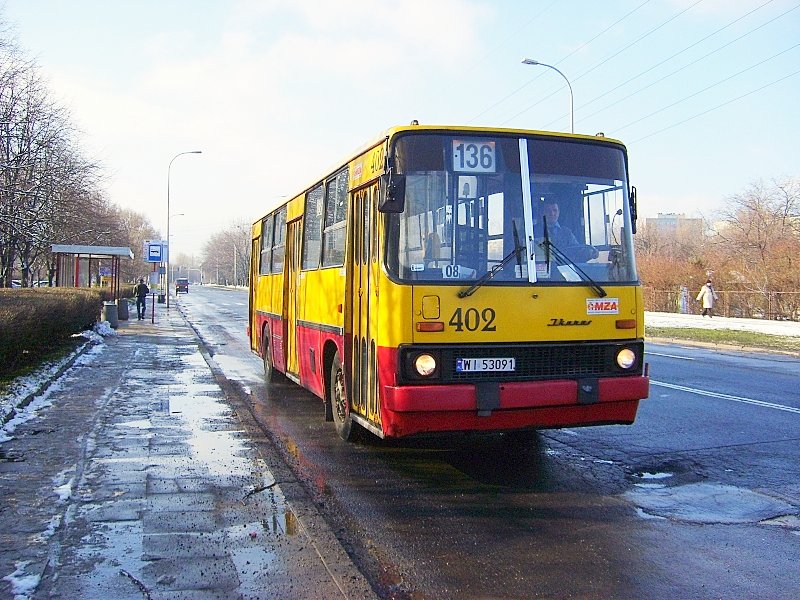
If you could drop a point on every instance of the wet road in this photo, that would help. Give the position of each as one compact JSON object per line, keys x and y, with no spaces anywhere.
{"x":700,"y":498}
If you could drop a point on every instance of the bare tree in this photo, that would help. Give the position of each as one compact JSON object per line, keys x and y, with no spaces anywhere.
{"x":49,"y":193}
{"x":226,"y":256}
{"x":760,"y":238}
{"x":134,"y":229}
{"x":761,"y":230}
{"x":670,"y":259}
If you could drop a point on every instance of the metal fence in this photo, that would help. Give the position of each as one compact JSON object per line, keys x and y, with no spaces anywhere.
{"x":782,"y":306}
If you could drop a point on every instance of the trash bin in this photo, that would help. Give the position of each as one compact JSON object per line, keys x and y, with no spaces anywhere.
{"x":122,"y":309}
{"x":110,"y":314}
{"x":162,"y":298}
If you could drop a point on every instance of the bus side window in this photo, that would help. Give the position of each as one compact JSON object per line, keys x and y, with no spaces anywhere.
{"x":265,"y":261}
{"x":279,"y":241}
{"x":334,"y":231}
{"x":312,"y":231}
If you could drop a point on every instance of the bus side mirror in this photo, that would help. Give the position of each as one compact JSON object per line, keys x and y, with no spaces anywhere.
{"x":633,"y":209}
{"x":393,"y":193}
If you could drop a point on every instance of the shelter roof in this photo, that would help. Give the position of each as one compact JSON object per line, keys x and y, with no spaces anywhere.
{"x":93,"y":251}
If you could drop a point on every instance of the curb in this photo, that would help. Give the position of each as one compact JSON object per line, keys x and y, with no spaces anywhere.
{"x":350,"y":581}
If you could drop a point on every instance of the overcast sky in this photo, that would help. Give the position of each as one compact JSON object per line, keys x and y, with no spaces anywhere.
{"x":275,"y":92}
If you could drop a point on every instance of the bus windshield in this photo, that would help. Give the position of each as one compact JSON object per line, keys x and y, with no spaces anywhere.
{"x":503,"y":210}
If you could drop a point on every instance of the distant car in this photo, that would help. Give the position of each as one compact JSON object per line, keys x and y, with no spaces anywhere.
{"x":181,"y":285}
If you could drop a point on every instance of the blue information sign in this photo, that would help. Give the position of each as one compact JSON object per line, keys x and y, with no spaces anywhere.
{"x":155,"y":251}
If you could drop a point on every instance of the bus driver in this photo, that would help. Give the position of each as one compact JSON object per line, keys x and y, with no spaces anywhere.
{"x":562,"y":237}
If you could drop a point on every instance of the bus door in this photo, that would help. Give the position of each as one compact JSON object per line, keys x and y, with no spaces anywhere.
{"x":362,"y":314}
{"x":255,"y":262}
{"x":291,"y":298}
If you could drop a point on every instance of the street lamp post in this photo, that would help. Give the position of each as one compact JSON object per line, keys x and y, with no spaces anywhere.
{"x":169,"y":249}
{"x":169,"y":245}
{"x":530,"y":61}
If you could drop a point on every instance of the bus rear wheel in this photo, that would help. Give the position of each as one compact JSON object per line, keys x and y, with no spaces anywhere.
{"x":340,"y":406}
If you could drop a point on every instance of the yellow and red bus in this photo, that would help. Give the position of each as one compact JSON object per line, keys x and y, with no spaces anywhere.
{"x":424,"y":285}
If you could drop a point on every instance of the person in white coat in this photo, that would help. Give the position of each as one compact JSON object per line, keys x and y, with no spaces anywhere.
{"x":707,"y":296}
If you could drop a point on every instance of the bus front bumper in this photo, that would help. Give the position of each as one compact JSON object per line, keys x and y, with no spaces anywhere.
{"x":534,"y":404}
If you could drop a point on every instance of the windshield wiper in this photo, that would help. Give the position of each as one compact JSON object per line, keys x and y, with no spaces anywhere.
{"x":551,"y":247}
{"x":517,"y":246}
{"x":516,"y":252}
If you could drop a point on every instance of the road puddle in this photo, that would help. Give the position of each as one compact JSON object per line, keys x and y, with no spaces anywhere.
{"x":707,"y":503}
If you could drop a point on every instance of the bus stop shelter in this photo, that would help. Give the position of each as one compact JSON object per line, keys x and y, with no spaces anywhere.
{"x":81,"y":266}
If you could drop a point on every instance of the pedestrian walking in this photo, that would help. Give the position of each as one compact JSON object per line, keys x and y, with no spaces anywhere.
{"x":141,"y":298}
{"x":707,"y":296}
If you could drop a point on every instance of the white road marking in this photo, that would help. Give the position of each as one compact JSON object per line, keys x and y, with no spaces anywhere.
{"x":668,"y":355}
{"x":761,"y":403}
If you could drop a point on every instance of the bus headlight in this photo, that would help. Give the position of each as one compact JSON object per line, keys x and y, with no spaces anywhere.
{"x":626,"y":358}
{"x":425,"y":365}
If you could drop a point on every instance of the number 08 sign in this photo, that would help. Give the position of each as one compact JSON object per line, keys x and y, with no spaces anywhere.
{"x":474,"y":156}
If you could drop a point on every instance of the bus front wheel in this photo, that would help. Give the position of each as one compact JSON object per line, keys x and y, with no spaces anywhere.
{"x":340,"y":406}
{"x":271,"y":375}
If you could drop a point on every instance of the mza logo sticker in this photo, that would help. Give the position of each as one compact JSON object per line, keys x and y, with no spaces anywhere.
{"x":602,"y":306}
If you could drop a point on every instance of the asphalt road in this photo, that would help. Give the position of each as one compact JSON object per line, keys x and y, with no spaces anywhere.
{"x":699,"y":498}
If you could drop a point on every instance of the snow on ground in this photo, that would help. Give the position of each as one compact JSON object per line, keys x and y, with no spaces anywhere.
{"x":784,"y":328}
{"x":27,"y":395}
{"x":22,"y":586}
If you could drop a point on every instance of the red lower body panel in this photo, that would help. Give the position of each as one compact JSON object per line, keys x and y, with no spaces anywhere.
{"x":407,"y":410}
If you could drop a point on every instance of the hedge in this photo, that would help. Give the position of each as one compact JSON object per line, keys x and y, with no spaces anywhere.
{"x":35,"y":320}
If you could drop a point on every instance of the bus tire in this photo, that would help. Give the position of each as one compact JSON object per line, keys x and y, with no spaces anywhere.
{"x":340,"y":405}
{"x":271,"y":374}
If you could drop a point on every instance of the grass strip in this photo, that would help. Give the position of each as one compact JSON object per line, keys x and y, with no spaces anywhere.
{"x":731,"y":337}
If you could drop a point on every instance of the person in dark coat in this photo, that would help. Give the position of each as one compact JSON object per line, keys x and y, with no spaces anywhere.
{"x":141,"y":298}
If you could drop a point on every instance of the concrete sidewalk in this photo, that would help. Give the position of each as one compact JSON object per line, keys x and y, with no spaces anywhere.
{"x":142,"y":479}
{"x":786,"y":328}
